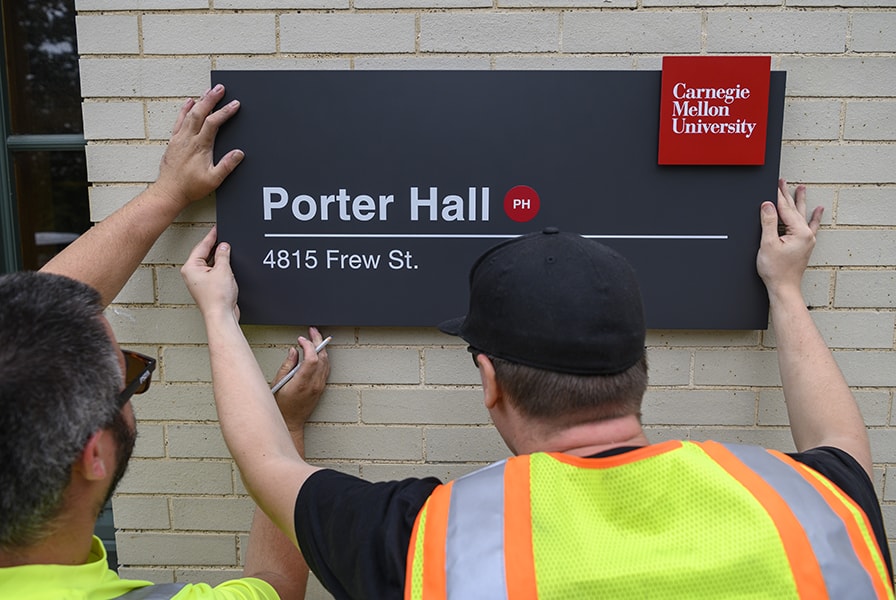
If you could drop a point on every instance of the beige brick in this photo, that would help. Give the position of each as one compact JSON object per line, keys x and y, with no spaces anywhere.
{"x":141,"y":512}
{"x":565,"y":3}
{"x":736,"y":368}
{"x":196,"y":441}
{"x":856,"y":289}
{"x":175,"y":549}
{"x":868,"y":368}
{"x":372,"y":366}
{"x":445,"y":406}
{"x":874,"y":404}
{"x":851,"y":329}
{"x":139,"y":289}
{"x":130,"y":77}
{"x":187,"y":364}
{"x":347,"y":32}
{"x":812,"y":119}
{"x":563,"y":62}
{"x":450,"y":366}
{"x":147,"y":574}
{"x":156,"y":325}
{"x":490,"y":32}
{"x":407,"y":336}
{"x":290,"y":4}
{"x":670,"y":338}
{"x":873,"y":31}
{"x":283,"y":63}
{"x":867,"y":206}
{"x":171,"y":286}
{"x":176,"y":402}
{"x":363,"y":442}
{"x":693,"y":3}
{"x":669,"y":367}
{"x":610,"y":31}
{"x":865,"y":163}
{"x":865,"y":247}
{"x":161,"y":115}
{"x":882,"y":447}
{"x":757,"y":31}
{"x":212,"y":514}
{"x":464,"y":444}
{"x":113,"y":120}
{"x":150,"y":441}
{"x":427,"y":62}
{"x":699,"y":407}
{"x":84,"y":5}
{"x":817,"y":285}
{"x":847,"y":76}
{"x":890,"y":484}
{"x":123,"y":163}
{"x":288,"y":336}
{"x":337,"y":405}
{"x":177,"y":477}
{"x":106,"y":199}
{"x":209,"y":33}
{"x":870,"y":120}
{"x":107,"y":34}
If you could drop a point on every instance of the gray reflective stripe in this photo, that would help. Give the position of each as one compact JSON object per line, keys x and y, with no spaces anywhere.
{"x":843,"y":573}
{"x":475,"y":537}
{"x":162,"y":591}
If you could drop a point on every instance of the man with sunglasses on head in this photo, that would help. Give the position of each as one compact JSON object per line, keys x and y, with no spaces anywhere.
{"x":587,"y":507}
{"x":67,"y":423}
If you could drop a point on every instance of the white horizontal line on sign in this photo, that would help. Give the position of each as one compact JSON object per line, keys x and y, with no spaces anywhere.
{"x":469,"y":236}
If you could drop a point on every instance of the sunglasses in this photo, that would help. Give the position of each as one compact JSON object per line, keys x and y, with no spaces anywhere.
{"x":138,"y":371}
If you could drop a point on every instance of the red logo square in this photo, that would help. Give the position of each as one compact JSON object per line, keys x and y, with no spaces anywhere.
{"x":714,"y":110}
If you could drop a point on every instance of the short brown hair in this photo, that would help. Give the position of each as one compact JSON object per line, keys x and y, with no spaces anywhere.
{"x":563,"y":398}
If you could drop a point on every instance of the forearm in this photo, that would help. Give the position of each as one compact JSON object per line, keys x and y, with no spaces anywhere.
{"x":253,"y":428}
{"x":273,"y":557}
{"x":820,"y":405}
{"x":107,"y":255}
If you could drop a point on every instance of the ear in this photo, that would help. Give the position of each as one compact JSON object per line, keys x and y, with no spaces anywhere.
{"x":490,"y":388}
{"x":92,"y":462}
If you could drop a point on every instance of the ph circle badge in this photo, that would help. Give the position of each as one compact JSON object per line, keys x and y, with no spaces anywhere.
{"x":521,"y":203}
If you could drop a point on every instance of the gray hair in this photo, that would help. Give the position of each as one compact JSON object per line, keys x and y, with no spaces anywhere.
{"x":59,"y":382}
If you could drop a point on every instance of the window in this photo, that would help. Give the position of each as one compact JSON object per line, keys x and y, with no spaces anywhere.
{"x":43,"y":174}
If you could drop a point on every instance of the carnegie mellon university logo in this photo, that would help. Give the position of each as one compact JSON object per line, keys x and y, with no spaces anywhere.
{"x":714,"y":110}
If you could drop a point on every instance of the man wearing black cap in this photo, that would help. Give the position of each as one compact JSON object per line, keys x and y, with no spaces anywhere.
{"x":586,"y":507}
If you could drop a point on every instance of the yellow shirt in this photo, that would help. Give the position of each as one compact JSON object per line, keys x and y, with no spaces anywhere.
{"x":94,"y":580}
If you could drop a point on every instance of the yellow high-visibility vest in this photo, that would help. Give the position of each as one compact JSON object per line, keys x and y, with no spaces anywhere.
{"x":670,"y":520}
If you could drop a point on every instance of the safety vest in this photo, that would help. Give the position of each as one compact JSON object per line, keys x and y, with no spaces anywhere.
{"x":670,"y":520}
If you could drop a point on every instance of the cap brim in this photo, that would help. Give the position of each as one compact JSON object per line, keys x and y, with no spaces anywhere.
{"x":452,"y":326}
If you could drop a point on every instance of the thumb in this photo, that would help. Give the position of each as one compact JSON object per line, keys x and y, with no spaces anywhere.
{"x":768,"y":218}
{"x":292,"y":358}
{"x":222,"y":254}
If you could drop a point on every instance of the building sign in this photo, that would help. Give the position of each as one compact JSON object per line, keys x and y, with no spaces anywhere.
{"x":365,"y":196}
{"x":714,"y":110}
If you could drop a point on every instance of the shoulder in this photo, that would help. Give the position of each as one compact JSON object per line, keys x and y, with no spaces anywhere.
{"x":246,"y":588}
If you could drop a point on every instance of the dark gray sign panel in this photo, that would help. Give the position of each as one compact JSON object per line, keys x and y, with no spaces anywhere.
{"x":365,"y":196}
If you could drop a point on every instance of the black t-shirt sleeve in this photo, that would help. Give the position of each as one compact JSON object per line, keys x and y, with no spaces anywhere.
{"x":354,"y":534}
{"x":843,"y":470}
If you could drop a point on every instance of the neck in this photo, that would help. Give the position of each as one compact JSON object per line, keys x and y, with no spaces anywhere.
{"x":586,"y":439}
{"x":69,"y":541}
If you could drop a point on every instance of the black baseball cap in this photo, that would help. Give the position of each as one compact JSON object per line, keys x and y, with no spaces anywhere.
{"x":557,"y":301}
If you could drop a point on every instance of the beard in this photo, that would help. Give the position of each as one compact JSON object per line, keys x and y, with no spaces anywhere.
{"x":125,"y":437}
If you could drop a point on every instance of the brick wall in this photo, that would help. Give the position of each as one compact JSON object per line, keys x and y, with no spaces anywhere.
{"x":405,"y":401}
